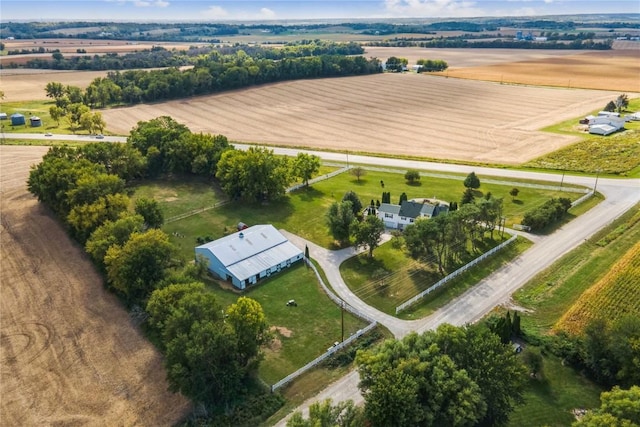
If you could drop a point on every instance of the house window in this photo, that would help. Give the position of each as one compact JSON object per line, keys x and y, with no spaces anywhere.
{"x":411,"y":220}
{"x":388,"y":215}
{"x":403,"y":218}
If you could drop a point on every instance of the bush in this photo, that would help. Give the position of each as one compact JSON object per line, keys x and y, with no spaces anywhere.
{"x":553,"y":210}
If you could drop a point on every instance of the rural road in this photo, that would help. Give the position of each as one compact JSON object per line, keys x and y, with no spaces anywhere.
{"x":620,"y":195}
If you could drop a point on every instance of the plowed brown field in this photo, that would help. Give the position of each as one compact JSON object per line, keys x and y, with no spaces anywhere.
{"x":406,"y":114}
{"x":69,"y":355}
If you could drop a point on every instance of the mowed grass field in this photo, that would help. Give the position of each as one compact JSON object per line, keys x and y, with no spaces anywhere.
{"x":399,"y":114}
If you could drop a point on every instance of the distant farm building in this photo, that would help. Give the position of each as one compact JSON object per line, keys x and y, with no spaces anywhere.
{"x":17,"y":119}
{"x":605,"y":125}
{"x":35,"y":121}
{"x":3,"y":116}
{"x":247,"y":256}
{"x":399,"y":216}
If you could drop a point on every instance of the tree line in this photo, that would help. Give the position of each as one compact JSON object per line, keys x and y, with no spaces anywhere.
{"x":460,"y":42}
{"x":216,"y":73}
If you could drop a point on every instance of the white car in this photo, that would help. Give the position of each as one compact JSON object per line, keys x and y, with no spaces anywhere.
{"x":99,"y":136}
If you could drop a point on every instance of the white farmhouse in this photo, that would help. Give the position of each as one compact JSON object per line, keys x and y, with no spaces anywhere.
{"x":399,"y":216}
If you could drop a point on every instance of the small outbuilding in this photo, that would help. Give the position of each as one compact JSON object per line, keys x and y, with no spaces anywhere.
{"x":247,"y":256}
{"x":35,"y":121}
{"x":17,"y":119}
{"x":3,"y":116}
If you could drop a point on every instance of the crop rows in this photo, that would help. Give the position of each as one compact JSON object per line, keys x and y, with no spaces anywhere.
{"x":406,"y":114}
{"x":614,"y":296}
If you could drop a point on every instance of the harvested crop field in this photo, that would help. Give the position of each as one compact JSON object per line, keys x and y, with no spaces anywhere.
{"x":403,"y":114}
{"x":69,"y":353}
{"x":592,"y":70}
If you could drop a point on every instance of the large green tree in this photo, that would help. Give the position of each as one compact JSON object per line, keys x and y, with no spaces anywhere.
{"x":305,"y":166}
{"x":368,"y":233}
{"x":135,"y":268}
{"x":472,"y":181}
{"x":149,"y":209}
{"x":112,"y":233}
{"x":87,"y":217}
{"x":253,"y":175}
{"x":251,"y":329}
{"x":339,"y":219}
{"x":451,"y":376}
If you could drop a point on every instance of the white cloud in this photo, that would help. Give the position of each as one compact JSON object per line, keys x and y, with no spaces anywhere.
{"x":436,"y":8}
{"x":215,"y":12}
{"x":267,"y":13}
{"x":142,"y":3}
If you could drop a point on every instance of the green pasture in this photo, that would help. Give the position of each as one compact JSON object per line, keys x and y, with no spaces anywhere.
{"x":550,"y":399}
{"x":391,"y":277}
{"x":553,"y":291}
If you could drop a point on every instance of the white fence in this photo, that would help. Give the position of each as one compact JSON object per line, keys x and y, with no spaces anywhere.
{"x":453,"y":275}
{"x":323,"y":357}
{"x":332,"y":350}
{"x":319,"y":178}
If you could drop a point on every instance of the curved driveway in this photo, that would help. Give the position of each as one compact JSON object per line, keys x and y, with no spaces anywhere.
{"x":620,"y":195}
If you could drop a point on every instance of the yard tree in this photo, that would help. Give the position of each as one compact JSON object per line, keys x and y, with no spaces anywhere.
{"x":91,"y":186}
{"x":112,"y":233}
{"x":490,"y":212}
{"x":56,"y":113}
{"x":622,"y":102}
{"x":514,"y":193}
{"x":494,"y":366}
{"x":611,"y":106}
{"x":339,"y":219}
{"x":358,"y":172}
{"x":368,"y":233}
{"x":472,"y":181}
{"x":356,"y":204}
{"x":325,"y":413}
{"x":158,"y":133}
{"x":54,"y":90}
{"x":305,"y":166}
{"x":619,"y":407}
{"x":74,"y":94}
{"x":415,"y":382}
{"x":467,"y":197}
{"x":403,"y":198}
{"x":251,"y":329}
{"x":396,"y":64}
{"x":412,"y":176}
{"x":150,"y":210}
{"x":135,"y":268}
{"x":74,"y":115}
{"x":253,"y":175}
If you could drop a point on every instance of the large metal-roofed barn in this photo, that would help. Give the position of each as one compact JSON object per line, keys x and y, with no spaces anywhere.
{"x":245,"y":257}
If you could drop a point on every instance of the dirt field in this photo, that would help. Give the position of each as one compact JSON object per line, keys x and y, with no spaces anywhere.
{"x":407,"y":113}
{"x":69,"y":354}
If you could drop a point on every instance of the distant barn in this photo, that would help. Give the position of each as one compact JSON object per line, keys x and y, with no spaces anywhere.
{"x":246,"y":257}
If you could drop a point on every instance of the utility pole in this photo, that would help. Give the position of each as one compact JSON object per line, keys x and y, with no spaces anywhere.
{"x":595,"y":186}
{"x":342,"y":311}
{"x":562,"y":180}
{"x":347,"y":159}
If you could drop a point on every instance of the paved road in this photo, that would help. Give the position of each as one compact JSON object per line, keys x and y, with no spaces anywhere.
{"x":62,"y":137}
{"x":620,"y":196}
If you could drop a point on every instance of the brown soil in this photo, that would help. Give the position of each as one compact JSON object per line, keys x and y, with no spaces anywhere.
{"x":403,"y":114}
{"x":70,"y":354}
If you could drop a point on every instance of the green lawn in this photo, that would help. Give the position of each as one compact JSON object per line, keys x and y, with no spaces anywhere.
{"x":553,"y":291}
{"x":392,"y":277}
{"x":34,"y":108}
{"x":549,"y":401}
{"x":303,"y":212}
{"x":312,"y":326}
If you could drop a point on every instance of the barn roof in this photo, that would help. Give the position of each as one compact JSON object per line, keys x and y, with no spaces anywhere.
{"x":252,"y":250}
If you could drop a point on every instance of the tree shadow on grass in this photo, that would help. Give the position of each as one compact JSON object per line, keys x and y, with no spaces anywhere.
{"x":308,"y":194}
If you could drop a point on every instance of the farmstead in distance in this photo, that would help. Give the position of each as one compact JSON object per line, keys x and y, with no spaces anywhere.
{"x":245,"y":257}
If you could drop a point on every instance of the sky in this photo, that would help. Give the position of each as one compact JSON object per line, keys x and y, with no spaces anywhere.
{"x":252,"y":10}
